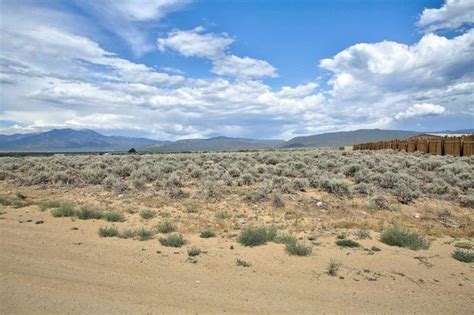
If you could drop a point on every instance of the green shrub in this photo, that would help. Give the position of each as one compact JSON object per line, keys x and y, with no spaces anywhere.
{"x":298,"y":248}
{"x":110,"y":231}
{"x":144,"y":234}
{"x":165,"y":227}
{"x":257,"y":235}
{"x":402,"y":237}
{"x":332,"y":268}
{"x":463,"y":255}
{"x":147,"y":214}
{"x":64,"y":210}
{"x":207,"y":234}
{"x":173,"y":240}
{"x":194,"y":251}
{"x":89,"y":214}
{"x":347,"y":243}
{"x":113,"y":217}
{"x":378,"y":203}
{"x":128,"y":233}
{"x":362,"y":234}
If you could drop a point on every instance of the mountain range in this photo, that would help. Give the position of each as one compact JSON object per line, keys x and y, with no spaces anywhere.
{"x":86,"y":140}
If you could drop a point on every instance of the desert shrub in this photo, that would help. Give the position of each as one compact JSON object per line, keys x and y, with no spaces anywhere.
{"x":257,"y":236}
{"x":113,"y":217}
{"x":332,"y":268}
{"x":364,"y":189}
{"x":299,"y":248}
{"x":379,"y":203}
{"x":287,"y":188}
{"x":147,"y":214}
{"x":4,"y":201}
{"x":336,"y":186}
{"x":463,"y":255}
{"x":144,"y":234}
{"x":347,"y":243}
{"x":110,"y":231}
{"x":351,"y":169}
{"x":234,"y":172}
{"x":405,"y":194}
{"x":65,"y":210}
{"x":173,"y":240}
{"x":174,"y":181}
{"x":362,"y":234}
{"x":300,"y":184}
{"x":93,"y":176}
{"x":242,"y":263}
{"x":464,"y":245}
{"x":194,"y":251}
{"x":210,"y":190}
{"x":277,"y":202}
{"x":438,"y":187}
{"x":467,"y":201}
{"x":88,"y":214}
{"x":207,"y":234}
{"x":128,"y":233}
{"x":165,"y":227}
{"x":402,"y":237}
{"x":115,"y":183}
{"x":246,"y":179}
{"x":177,"y":193}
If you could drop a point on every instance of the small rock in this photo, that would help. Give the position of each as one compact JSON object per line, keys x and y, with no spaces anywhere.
{"x":39,"y":222}
{"x":417,"y":216}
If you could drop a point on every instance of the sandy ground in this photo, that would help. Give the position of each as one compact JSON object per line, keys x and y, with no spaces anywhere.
{"x":52,"y":268}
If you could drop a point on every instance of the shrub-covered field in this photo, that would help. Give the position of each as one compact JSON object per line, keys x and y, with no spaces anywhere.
{"x":406,"y":177}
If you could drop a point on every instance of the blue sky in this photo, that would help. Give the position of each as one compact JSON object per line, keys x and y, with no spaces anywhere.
{"x":176,"y":69}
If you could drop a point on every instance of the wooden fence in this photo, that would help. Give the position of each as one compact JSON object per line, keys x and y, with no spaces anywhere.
{"x":457,"y":146}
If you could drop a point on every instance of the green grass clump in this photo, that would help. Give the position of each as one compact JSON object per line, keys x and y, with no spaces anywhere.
{"x":128,"y":233}
{"x":173,"y":240}
{"x":165,"y":227}
{"x":144,"y":234}
{"x":113,"y":217}
{"x":49,"y":205}
{"x":207,"y":234}
{"x":402,"y":237}
{"x":110,"y":231}
{"x":347,"y":243}
{"x":299,"y":249}
{"x":463,"y":255}
{"x":89,"y":214}
{"x":4,"y":201}
{"x":194,"y":251}
{"x":257,"y":236}
{"x":464,"y":245}
{"x":65,"y":210}
{"x":332,"y":268}
{"x":147,"y":214}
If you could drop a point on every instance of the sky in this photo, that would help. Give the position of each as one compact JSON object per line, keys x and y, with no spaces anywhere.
{"x":179,"y":69}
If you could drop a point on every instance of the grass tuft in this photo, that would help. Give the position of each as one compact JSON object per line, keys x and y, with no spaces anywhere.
{"x":89,"y":214}
{"x":110,"y":231}
{"x":194,"y":251}
{"x":113,"y":217}
{"x":242,"y":263}
{"x":165,"y":227}
{"x":347,"y":243}
{"x":299,"y":248}
{"x":257,"y":236}
{"x":403,"y":237}
{"x":65,"y":210}
{"x":207,"y":234}
{"x":463,"y":255}
{"x":173,"y":240}
{"x":147,"y":214}
{"x":144,"y":234}
{"x":332,"y":268}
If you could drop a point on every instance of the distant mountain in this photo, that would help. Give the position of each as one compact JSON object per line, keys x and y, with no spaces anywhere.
{"x":343,"y":138}
{"x":68,"y":140}
{"x":216,"y":144}
{"x":338,"y":139}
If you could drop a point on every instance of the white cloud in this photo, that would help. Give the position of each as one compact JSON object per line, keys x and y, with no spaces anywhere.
{"x":130,"y":19}
{"x":454,"y":14}
{"x":243,"y":67}
{"x":195,"y":43}
{"x":198,"y":43}
{"x":421,"y":110}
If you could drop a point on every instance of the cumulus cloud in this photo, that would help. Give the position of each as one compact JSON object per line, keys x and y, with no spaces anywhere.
{"x":198,"y":43}
{"x":421,"y":110}
{"x":453,"y":15}
{"x":195,"y":43}
{"x":243,"y":67}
